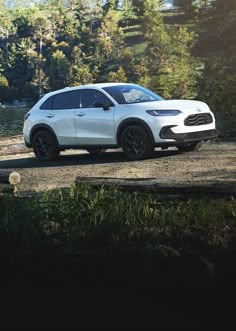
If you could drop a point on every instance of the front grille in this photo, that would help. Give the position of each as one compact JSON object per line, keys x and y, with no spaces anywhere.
{"x":198,"y":119}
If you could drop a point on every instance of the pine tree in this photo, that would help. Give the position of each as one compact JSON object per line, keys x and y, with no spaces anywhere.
{"x":172,"y":69}
{"x":118,"y":76}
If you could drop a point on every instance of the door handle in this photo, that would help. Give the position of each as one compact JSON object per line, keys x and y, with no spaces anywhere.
{"x":50,"y":115}
{"x":80,"y":114}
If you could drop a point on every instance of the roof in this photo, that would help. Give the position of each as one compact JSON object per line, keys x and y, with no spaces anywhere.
{"x":100,"y":85}
{"x":96,"y":85}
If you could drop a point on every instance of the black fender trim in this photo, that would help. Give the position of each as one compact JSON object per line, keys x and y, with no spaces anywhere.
{"x":39,"y":127}
{"x":132,"y":121}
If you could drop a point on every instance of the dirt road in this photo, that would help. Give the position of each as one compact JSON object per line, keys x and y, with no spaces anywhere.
{"x":215,"y":162}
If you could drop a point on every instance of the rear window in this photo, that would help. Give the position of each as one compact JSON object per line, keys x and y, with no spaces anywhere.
{"x":64,"y":100}
{"x":47,"y":104}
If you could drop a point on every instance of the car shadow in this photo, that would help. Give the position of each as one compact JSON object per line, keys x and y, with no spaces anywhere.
{"x":79,"y":159}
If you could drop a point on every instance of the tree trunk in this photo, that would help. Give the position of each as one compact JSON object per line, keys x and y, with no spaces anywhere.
{"x":158,"y":186}
{"x":9,"y":177}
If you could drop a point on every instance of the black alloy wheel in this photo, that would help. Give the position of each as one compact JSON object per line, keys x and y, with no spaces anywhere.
{"x":136,"y":143}
{"x":45,"y":146}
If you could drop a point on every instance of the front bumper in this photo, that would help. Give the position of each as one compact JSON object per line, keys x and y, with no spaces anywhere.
{"x":167,"y":133}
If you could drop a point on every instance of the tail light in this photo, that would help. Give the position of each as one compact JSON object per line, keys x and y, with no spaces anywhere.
{"x":27,"y":115}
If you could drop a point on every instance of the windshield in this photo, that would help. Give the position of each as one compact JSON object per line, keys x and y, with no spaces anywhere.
{"x":126,"y":94}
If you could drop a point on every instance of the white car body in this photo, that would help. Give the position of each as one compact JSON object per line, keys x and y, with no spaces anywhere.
{"x":97,"y":127}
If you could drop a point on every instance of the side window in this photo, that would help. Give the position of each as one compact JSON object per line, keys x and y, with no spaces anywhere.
{"x":90,"y":97}
{"x":47,"y":104}
{"x":63,"y":100}
{"x":76,"y":96}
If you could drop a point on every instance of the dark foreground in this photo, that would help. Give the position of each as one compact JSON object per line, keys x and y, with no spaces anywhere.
{"x":105,"y":258}
{"x":118,"y":292}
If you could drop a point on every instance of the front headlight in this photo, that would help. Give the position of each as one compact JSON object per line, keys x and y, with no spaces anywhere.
{"x":164,"y":112}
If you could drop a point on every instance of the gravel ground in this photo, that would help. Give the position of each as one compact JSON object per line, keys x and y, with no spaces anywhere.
{"x":215,"y":162}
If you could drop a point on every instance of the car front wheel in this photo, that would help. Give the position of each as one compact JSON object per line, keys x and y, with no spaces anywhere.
{"x":45,"y":146}
{"x":136,"y":143}
{"x":190,"y":147}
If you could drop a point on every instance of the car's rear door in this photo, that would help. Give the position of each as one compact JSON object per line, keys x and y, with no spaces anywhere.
{"x":94,"y":125}
{"x":61,"y":117}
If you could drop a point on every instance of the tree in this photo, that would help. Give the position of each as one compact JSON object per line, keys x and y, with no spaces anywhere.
{"x":118,"y":76}
{"x":39,"y":83}
{"x":192,"y":8}
{"x":110,"y":37}
{"x":172,"y":70}
{"x":59,"y":70}
{"x":138,"y":7}
{"x":110,"y":5}
{"x":18,"y":71}
{"x":142,"y":72}
{"x":42,"y":34}
{"x":217,"y":86}
{"x":188,"y":6}
{"x":3,"y":88}
{"x":80,"y":75}
{"x":217,"y":43}
{"x":127,"y":11}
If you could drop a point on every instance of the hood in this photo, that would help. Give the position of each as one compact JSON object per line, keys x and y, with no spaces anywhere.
{"x":185,"y":106}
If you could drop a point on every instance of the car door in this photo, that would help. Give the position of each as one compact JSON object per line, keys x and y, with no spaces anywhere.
{"x":95,"y":123}
{"x":60,"y":116}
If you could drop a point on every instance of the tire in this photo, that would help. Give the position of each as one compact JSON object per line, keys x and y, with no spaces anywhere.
{"x":45,"y":146}
{"x":95,"y":151}
{"x":136,"y":143}
{"x":190,"y":147}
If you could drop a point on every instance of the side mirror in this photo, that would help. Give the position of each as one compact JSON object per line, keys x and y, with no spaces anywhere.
{"x":103,"y":105}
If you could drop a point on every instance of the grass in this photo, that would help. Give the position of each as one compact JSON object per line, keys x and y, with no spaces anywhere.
{"x":108,"y":219}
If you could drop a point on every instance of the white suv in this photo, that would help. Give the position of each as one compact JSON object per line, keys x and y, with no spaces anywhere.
{"x":113,"y":115}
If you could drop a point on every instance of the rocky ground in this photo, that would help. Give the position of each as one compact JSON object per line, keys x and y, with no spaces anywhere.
{"x":215,"y":162}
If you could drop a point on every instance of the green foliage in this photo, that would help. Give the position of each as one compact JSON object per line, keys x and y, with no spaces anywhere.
{"x":80,"y":75}
{"x":18,"y":71}
{"x":110,"y":5}
{"x":3,"y":82}
{"x":142,"y":74}
{"x":118,"y":76}
{"x":172,"y":69}
{"x":59,"y":69}
{"x":110,"y":37}
{"x":139,"y":6}
{"x":127,"y":11}
{"x":217,"y":86}
{"x":3,"y":88}
{"x":188,"y":54}
{"x":218,"y":42}
{"x":81,"y":215}
{"x":188,"y":6}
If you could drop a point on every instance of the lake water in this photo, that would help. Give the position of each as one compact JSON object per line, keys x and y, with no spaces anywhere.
{"x":11,"y":121}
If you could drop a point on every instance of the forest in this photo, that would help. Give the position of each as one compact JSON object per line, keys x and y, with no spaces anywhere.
{"x":188,"y":51}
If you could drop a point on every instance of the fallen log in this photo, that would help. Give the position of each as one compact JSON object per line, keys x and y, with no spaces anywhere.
{"x":9,"y":177}
{"x":160,"y":186}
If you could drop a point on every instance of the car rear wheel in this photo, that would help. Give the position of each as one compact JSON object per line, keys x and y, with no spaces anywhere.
{"x":136,"y":143}
{"x":45,"y":146}
{"x":190,"y":147}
